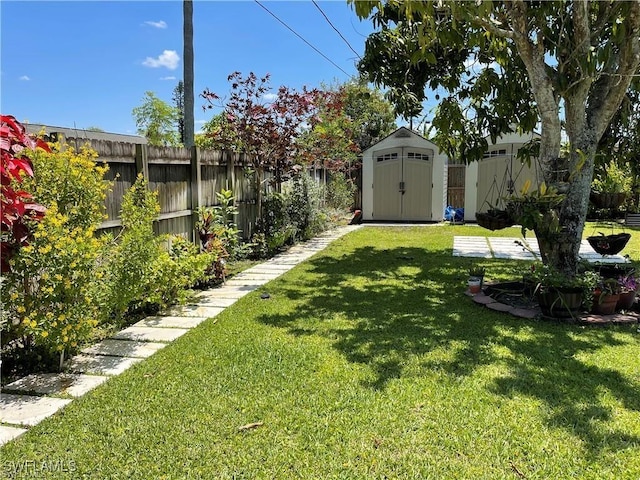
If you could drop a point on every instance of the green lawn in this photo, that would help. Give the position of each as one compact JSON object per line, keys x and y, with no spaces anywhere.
{"x":368,"y":361}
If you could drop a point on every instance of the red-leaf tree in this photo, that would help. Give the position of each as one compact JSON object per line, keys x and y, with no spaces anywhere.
{"x":17,"y":205}
{"x":329,"y":140}
{"x":266,"y":131}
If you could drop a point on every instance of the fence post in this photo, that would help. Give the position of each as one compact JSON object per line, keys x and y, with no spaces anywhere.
{"x":142,"y":160}
{"x":196,"y":190}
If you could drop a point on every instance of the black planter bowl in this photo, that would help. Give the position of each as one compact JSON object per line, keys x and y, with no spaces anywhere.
{"x":494,"y":219}
{"x":609,"y":244}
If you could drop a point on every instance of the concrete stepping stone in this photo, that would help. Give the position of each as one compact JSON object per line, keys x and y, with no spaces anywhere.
{"x":285,"y":261}
{"x":233,"y":292}
{"x":124,"y":348}
{"x":72,"y":384}
{"x":243,"y":282}
{"x":255,"y":276}
{"x":100,"y":364}
{"x":270,"y":269}
{"x":193,"y":310}
{"x":206,"y":300}
{"x":150,"y":334}
{"x":9,"y":433}
{"x":170,"y":322}
{"x":27,"y":409}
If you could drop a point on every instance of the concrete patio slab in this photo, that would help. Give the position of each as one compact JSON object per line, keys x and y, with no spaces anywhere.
{"x":124,"y":348}
{"x":27,"y":409}
{"x":150,"y":334}
{"x":471,"y":247}
{"x":9,"y":433}
{"x":508,"y":248}
{"x":505,"y":247}
{"x":100,"y":364}
{"x":72,"y":384}
{"x":170,"y":322}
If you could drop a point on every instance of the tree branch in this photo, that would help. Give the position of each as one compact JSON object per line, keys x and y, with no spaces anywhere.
{"x":613,"y":83}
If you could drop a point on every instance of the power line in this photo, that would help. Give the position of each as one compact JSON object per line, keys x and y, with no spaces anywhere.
{"x":301,"y":38}
{"x":337,"y":31}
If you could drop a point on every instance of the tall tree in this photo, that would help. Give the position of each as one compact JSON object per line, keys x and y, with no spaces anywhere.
{"x":372,"y":116}
{"x":567,"y":64}
{"x":178,"y":101}
{"x":156,"y":121}
{"x":189,"y":128}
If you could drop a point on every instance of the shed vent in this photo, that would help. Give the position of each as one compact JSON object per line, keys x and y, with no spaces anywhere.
{"x":403,"y":134}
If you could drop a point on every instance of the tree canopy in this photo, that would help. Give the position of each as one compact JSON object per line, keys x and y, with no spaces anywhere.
{"x":560,"y":66}
{"x":156,"y":120}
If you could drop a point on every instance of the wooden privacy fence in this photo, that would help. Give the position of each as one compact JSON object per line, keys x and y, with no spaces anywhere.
{"x":184,"y":179}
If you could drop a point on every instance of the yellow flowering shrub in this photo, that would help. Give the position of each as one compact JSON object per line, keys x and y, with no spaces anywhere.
{"x":53,"y":285}
{"x":50,"y":297}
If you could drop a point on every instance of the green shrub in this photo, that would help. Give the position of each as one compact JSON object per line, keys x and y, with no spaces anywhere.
{"x":340,"y":192}
{"x":129,"y":263}
{"x":304,"y":208}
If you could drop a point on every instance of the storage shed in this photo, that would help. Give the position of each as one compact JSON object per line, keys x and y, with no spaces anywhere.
{"x":499,"y":173}
{"x":403,"y":179}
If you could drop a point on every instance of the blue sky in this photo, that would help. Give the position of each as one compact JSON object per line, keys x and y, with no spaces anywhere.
{"x":88,"y":63}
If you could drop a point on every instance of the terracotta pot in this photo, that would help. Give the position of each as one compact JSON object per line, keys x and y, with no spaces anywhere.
{"x":626,"y":300}
{"x":605,"y":304}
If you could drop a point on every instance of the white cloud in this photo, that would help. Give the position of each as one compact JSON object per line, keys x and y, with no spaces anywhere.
{"x":168,"y":58}
{"x":25,"y":78}
{"x":200,"y":122}
{"x":171,"y":77}
{"x":270,"y":96}
{"x":160,"y":24}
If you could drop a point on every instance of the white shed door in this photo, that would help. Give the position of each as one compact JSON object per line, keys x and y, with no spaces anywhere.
{"x":402,"y":185}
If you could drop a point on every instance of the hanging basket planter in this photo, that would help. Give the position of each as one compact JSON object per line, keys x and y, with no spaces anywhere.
{"x":607,"y":200}
{"x":609,"y":244}
{"x":494,"y":219}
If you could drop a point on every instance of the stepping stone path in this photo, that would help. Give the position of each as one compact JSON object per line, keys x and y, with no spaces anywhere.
{"x":29,"y":400}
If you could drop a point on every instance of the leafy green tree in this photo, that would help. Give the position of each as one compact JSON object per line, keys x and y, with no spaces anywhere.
{"x":564,"y":65}
{"x":156,"y":121}
{"x":372,"y":116}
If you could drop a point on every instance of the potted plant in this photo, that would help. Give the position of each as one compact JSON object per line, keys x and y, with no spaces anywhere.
{"x":610,"y":186}
{"x":560,"y":295}
{"x":476,"y":278}
{"x":628,"y":286}
{"x":605,"y":296}
{"x":494,"y":219}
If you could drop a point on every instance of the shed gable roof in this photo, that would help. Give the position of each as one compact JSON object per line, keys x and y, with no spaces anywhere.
{"x":402,"y":132}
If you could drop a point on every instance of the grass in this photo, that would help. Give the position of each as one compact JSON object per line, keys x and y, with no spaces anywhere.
{"x":366,"y":362}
